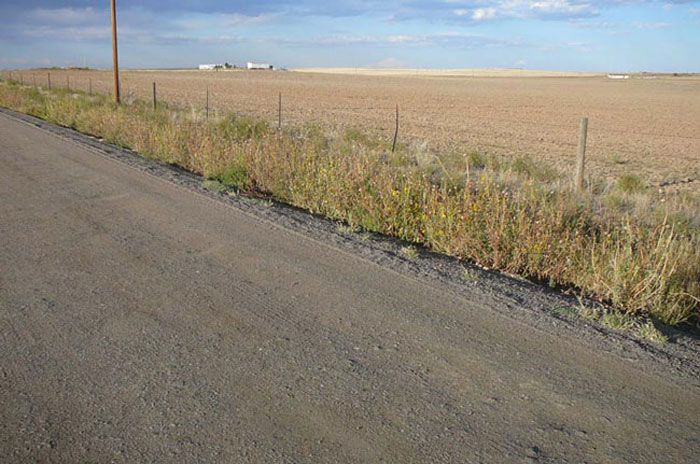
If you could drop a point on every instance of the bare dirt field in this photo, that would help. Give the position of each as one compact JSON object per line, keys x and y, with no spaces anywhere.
{"x":426,"y":72}
{"x":646,"y":126}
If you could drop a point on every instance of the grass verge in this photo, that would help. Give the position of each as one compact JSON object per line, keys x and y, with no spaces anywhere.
{"x":513,"y":215}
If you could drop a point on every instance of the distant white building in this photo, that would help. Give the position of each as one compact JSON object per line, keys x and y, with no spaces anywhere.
{"x":209,"y":67}
{"x":618,"y":76}
{"x":252,"y":65}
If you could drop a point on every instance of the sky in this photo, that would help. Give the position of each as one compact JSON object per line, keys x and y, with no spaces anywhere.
{"x":567,"y":35}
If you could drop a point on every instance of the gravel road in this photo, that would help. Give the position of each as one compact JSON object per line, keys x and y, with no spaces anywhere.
{"x":144,"y":321}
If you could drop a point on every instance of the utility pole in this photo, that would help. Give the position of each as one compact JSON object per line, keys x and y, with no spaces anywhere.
{"x":115,"y":57}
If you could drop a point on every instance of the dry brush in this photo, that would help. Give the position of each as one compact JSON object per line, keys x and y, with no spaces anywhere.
{"x":505,"y":214}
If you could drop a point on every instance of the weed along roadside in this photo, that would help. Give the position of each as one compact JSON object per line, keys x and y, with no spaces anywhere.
{"x":613,"y":243}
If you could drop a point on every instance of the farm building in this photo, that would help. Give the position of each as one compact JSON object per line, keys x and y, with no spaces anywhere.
{"x":208,"y":67}
{"x":618,"y":76}
{"x":252,"y":65}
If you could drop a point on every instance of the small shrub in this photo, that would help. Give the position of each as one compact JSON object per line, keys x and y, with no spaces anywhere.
{"x":409,"y":252}
{"x":565,"y":311}
{"x":470,"y":275}
{"x":345,"y":229}
{"x":213,"y":185}
{"x":649,"y":332}
{"x":353,"y":135}
{"x":630,"y":183}
{"x":236,"y":175}
{"x":476,"y":160}
{"x":617,"y":321}
{"x":527,"y":167}
{"x":616,"y":202}
{"x":617,"y":159}
{"x":588,"y":313}
{"x":237,"y":128}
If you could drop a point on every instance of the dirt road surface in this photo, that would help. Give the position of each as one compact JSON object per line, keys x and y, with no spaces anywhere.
{"x":143,"y":322}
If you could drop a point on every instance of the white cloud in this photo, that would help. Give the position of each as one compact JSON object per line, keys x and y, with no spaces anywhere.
{"x":652,"y":26}
{"x":444,"y":39}
{"x":64,"y":16}
{"x":485,"y":10}
{"x":481,"y":14}
{"x":563,"y":8}
{"x":221,"y":21}
{"x":87,"y":33}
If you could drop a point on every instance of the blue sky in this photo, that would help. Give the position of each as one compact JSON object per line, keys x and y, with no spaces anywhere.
{"x":582,"y":35}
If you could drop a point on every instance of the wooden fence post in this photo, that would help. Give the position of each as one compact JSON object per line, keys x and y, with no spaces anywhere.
{"x":48,"y":80}
{"x":396,"y":130}
{"x":207,"y":105}
{"x":279,"y":113}
{"x":154,"y":97}
{"x":581,"y":164}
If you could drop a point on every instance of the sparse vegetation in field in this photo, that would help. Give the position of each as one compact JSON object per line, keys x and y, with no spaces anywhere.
{"x":649,"y":332}
{"x":476,"y":160}
{"x":617,"y":159}
{"x":589,"y":313}
{"x":213,"y":185}
{"x":568,"y":311}
{"x":470,"y":275}
{"x":236,"y":128}
{"x":617,"y":320}
{"x":630,"y":183}
{"x":236,"y":175}
{"x":409,"y":252}
{"x":345,"y":229}
{"x":622,"y":244}
{"x":527,"y":167}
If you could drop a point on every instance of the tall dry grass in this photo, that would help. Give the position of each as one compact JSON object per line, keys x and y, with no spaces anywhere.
{"x":511,"y":215}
